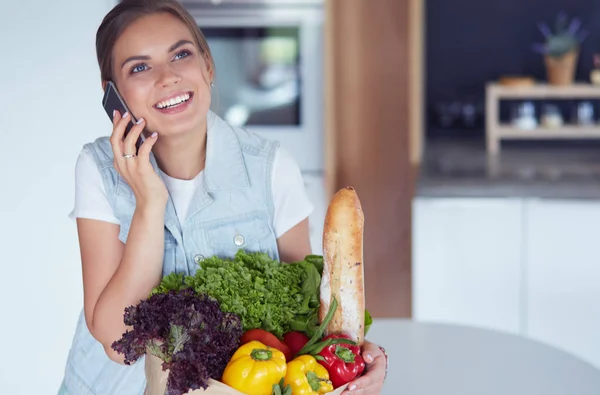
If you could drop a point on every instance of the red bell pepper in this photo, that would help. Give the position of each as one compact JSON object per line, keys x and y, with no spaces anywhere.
{"x":295,"y":341}
{"x":343,"y":361}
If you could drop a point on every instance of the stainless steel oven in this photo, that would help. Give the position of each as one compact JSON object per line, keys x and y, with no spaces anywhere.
{"x":268,"y":58}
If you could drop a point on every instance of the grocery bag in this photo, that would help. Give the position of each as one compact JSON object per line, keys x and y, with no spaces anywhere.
{"x":156,"y":382}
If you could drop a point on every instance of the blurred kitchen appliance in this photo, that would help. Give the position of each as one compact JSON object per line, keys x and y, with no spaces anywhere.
{"x":269,"y":72}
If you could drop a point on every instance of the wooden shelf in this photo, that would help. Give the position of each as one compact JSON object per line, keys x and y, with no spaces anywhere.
{"x":564,"y":132}
{"x":544,"y":91}
{"x":496,"y":132}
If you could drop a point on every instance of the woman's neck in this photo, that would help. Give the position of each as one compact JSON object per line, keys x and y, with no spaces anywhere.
{"x":183,"y":156}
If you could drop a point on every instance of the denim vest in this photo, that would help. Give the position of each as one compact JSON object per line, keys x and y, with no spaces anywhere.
{"x":232,"y":210}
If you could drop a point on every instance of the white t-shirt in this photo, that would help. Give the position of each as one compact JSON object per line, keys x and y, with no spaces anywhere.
{"x":291,"y":202}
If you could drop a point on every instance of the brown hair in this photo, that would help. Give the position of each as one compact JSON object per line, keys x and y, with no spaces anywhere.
{"x":125,"y":13}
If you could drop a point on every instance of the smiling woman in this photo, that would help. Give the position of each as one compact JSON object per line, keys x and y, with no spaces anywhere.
{"x":162,"y":66}
{"x":196,"y":188}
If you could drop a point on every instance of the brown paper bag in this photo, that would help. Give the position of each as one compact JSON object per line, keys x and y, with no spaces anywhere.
{"x":156,"y":382}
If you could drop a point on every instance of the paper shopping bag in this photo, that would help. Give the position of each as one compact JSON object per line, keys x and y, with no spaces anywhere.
{"x":156,"y":382}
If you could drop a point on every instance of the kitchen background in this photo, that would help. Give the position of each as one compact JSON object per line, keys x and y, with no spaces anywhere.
{"x":504,"y":234}
{"x":388,"y":96}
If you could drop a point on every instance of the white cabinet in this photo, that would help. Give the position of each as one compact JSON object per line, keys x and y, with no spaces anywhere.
{"x":467,"y":262}
{"x":524,"y":266}
{"x":563,"y":276}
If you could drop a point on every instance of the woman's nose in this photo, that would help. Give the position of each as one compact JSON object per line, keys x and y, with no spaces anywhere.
{"x":167,"y":76}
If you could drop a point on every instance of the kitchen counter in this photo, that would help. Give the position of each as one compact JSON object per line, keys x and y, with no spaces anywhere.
{"x":448,"y":359}
{"x":461,"y":168}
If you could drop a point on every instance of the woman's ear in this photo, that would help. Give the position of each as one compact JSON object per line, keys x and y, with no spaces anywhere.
{"x":208,"y":61}
{"x":104,"y":83}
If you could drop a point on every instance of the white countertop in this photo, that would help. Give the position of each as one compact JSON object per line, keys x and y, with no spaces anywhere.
{"x":440,"y":359}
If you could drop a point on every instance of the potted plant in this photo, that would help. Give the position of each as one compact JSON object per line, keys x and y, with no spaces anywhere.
{"x":561,"y":49}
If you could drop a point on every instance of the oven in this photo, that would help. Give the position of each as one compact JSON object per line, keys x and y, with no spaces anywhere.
{"x":268,"y":59}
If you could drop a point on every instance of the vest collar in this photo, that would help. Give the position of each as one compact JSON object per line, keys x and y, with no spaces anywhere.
{"x":225,"y":168}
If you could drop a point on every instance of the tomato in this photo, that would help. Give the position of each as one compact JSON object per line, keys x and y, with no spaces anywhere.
{"x":268,"y":339}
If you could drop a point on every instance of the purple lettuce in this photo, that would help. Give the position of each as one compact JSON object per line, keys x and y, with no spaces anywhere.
{"x":187,"y":331}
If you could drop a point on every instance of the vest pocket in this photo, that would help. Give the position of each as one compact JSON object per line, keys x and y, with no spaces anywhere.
{"x":170,"y":247}
{"x":250,"y":233}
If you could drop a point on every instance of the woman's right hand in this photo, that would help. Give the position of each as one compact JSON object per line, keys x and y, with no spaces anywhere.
{"x":118,"y":274}
{"x":147,"y":186}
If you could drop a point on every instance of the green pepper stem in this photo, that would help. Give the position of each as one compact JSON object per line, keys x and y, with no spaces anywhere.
{"x":260,"y":354}
{"x":314,"y":381}
{"x":345,"y":354}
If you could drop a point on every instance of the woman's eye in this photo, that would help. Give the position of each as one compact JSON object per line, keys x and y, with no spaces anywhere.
{"x":143,"y":66}
{"x":138,"y":68}
{"x":182,"y":54}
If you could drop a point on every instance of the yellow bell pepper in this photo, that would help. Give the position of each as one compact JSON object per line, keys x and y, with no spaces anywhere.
{"x":307,"y":377}
{"x":254,"y":368}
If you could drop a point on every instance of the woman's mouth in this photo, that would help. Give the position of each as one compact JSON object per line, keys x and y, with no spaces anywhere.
{"x":174,"y":104}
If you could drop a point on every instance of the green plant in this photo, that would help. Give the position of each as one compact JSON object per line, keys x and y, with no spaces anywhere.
{"x":567,"y":37}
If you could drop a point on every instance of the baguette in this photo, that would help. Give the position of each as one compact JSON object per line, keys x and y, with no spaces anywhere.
{"x":343,"y":270}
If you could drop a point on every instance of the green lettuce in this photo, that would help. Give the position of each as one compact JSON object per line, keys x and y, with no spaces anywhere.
{"x":261,"y":291}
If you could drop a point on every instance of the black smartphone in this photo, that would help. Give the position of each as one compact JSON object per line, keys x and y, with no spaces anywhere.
{"x":111,"y":101}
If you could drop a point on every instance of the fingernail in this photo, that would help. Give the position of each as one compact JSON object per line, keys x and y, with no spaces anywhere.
{"x":114,"y":113}
{"x":125,"y":115}
{"x":352,"y":387}
{"x":139,"y":121}
{"x":154,"y":134}
{"x":369,"y":358}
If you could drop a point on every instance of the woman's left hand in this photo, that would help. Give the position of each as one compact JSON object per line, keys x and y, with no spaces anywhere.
{"x":371,"y":382}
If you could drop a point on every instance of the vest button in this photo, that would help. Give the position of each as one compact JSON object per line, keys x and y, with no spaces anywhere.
{"x":238,"y":240}
{"x":198,"y":258}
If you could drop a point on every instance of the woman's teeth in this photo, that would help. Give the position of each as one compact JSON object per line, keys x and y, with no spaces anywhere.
{"x":173,"y":102}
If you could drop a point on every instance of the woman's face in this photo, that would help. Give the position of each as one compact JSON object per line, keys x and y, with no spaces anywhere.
{"x":162,"y":75}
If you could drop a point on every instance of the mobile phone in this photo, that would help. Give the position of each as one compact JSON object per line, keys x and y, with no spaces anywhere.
{"x":111,"y":101}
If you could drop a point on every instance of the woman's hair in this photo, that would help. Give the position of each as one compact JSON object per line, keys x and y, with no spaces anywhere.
{"x":126,"y":12}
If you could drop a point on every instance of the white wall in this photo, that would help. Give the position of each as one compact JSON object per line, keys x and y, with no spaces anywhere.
{"x":49,"y":107}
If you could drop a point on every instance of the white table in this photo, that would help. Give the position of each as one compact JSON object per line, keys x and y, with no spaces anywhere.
{"x":439,"y":359}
